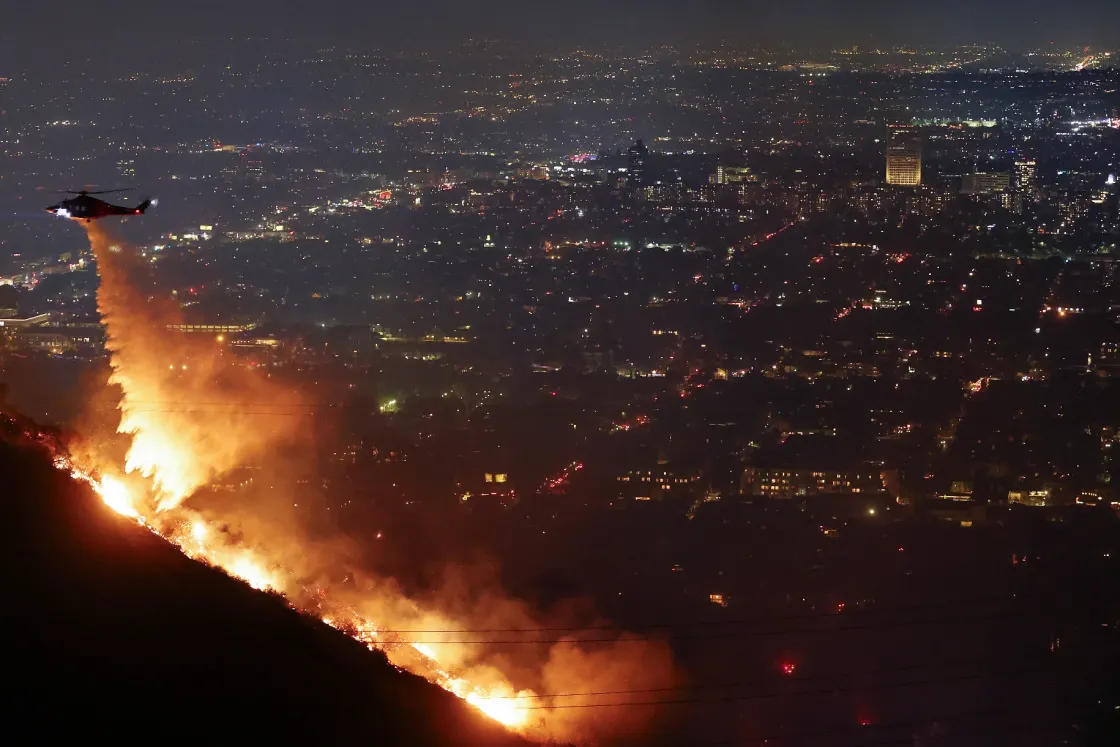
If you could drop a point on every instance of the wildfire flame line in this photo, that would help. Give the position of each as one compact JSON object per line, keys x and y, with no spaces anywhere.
{"x":192,"y":537}
{"x":177,"y":453}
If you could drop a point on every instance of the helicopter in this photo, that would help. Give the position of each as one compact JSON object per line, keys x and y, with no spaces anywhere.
{"x":85,"y":207}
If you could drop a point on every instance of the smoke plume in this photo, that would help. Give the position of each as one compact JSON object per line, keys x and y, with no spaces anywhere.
{"x":193,"y":413}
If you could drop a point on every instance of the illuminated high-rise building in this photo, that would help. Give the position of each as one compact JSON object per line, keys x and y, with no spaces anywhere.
{"x":636,"y":159}
{"x":985,"y":183}
{"x":904,"y":156}
{"x":731,"y":175}
{"x":1025,"y":175}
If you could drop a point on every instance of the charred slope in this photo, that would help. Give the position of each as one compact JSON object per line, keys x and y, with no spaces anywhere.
{"x":110,"y":630}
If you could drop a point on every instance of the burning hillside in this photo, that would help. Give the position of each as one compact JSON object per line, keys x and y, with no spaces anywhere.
{"x":191,"y":413}
{"x":183,"y":404}
{"x":120,"y":634}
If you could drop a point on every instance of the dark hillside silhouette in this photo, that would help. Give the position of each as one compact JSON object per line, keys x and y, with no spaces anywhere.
{"x":109,"y":630}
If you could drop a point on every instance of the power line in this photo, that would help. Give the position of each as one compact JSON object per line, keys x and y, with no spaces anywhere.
{"x":240,"y":408}
{"x":778,"y":694}
{"x":713,"y":636}
{"x":891,"y":742}
{"x":756,"y":682}
{"x":238,"y":413}
{"x":977,"y":730}
{"x":945,"y":603}
{"x":240,"y":404}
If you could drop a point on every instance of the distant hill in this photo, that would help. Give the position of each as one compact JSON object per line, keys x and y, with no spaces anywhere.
{"x":109,"y":631}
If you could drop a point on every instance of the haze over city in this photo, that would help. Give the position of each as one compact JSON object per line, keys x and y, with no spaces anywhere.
{"x":118,"y":27}
{"x":583,"y":374}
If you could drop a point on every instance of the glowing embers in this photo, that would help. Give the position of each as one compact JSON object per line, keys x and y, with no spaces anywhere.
{"x":116,"y":496}
{"x":188,"y":423}
{"x":189,"y":427}
{"x":249,"y":571}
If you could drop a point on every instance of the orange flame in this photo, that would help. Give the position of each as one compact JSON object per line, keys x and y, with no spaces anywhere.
{"x":500,"y":703}
{"x":184,"y":410}
{"x":183,"y":400}
{"x":180,"y":447}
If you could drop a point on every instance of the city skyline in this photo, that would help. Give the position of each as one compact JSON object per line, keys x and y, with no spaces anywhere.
{"x":430,"y":25}
{"x":652,"y":395}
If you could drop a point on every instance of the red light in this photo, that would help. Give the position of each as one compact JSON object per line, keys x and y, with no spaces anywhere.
{"x":789,"y":668}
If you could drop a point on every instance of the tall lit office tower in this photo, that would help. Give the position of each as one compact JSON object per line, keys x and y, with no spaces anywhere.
{"x":636,"y":159}
{"x":731,"y":175}
{"x":904,"y":156}
{"x":1024,"y":176}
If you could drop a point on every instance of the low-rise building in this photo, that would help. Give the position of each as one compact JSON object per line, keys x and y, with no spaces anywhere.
{"x":660,"y":481}
{"x":785,"y":482}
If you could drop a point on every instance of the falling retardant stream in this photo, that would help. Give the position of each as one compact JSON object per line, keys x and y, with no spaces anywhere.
{"x":187,"y":411}
{"x":182,"y":403}
{"x":119,"y":634}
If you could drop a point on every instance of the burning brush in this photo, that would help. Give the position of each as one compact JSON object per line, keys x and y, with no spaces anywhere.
{"x":177,"y":447}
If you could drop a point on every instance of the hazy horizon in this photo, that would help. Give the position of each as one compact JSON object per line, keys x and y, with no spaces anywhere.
{"x":118,"y":30}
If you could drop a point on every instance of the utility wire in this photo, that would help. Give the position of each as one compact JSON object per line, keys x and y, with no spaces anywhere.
{"x":976,"y":730}
{"x":715,"y":636}
{"x":941,"y":604}
{"x":754,"y":683}
{"x":779,"y":694}
{"x":186,"y":403}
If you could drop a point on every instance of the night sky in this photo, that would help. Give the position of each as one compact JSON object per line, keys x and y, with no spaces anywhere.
{"x":117,"y":26}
